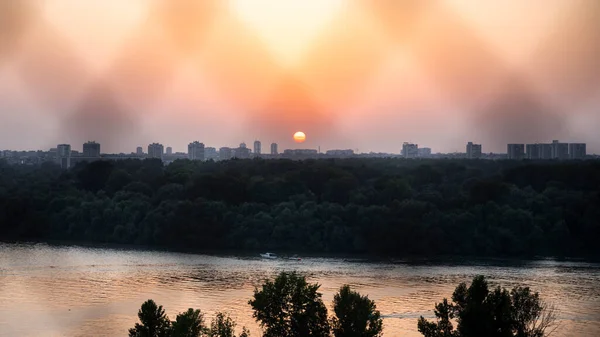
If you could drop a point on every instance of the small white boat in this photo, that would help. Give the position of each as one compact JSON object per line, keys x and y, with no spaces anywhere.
{"x":294,"y":258}
{"x":268,"y":256}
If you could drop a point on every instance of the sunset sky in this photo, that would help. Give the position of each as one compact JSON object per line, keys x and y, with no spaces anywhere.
{"x":358,"y":74}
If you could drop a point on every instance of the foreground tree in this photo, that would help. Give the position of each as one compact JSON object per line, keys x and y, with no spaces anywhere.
{"x":290,"y":307}
{"x":499,"y":313}
{"x":155,"y":322}
{"x":444,"y":313}
{"x":188,"y":324}
{"x":223,"y":326}
{"x":355,"y":315}
{"x":532,"y":317}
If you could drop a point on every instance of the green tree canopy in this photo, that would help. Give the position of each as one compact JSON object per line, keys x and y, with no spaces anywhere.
{"x":377,"y":206}
{"x":289,"y":306}
{"x":155,"y":322}
{"x":188,"y":324}
{"x":355,"y":315}
{"x":497,"y":313}
{"x":223,"y":326}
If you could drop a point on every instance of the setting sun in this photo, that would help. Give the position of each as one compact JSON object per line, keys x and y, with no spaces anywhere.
{"x":299,"y":137}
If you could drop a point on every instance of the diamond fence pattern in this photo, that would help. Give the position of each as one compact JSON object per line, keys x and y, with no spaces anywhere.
{"x":526,"y":100}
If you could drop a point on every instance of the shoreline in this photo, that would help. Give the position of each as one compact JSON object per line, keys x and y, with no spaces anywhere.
{"x":407,"y":260}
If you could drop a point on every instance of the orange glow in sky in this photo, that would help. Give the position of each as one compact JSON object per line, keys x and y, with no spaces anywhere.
{"x":287,"y":27}
{"x":360,"y":74}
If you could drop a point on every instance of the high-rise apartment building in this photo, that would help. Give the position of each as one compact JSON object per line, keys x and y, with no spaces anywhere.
{"x":556,"y":150}
{"x":257,"y":148}
{"x":545,"y":151}
{"x":424,"y":152}
{"x":196,"y":151}
{"x":156,"y":150}
{"x":538,"y":151}
{"x":410,"y":150}
{"x":274,"y":150}
{"x":63,"y":155}
{"x":169,"y":151}
{"x":242,"y":152}
{"x":473,"y":150}
{"x":91,"y":150}
{"x":577,"y":150}
{"x":210,"y":153}
{"x":225,"y":153}
{"x":515,"y":151}
{"x":533,"y":151}
{"x":139,"y":151}
{"x":560,"y":150}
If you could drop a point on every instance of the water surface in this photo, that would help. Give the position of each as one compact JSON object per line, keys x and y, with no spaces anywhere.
{"x":78,"y":291}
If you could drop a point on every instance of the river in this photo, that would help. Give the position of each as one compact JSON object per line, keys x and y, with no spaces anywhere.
{"x":80,"y":291}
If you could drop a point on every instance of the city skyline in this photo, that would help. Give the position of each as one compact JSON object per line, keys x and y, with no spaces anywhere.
{"x":350,"y":73}
{"x":196,"y":150}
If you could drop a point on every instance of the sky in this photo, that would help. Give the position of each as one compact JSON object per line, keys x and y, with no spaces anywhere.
{"x":366,"y":75}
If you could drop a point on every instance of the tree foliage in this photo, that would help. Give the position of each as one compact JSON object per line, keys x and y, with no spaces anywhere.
{"x":355,"y":315}
{"x":154,"y":322}
{"x":188,"y":324}
{"x":375,"y":206}
{"x":289,"y":306}
{"x":223,"y":326}
{"x":496,"y":313}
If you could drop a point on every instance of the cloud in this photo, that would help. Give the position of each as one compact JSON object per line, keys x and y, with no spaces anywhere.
{"x":101,"y":117}
{"x":16,"y":18}
{"x":517,"y":115}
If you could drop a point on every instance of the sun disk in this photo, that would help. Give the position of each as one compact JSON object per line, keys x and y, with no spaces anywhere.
{"x":299,"y":137}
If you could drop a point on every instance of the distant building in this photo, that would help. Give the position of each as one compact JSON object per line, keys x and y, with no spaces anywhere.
{"x":410,"y":150}
{"x":340,"y":153}
{"x":225,"y":153}
{"x":577,"y":150}
{"x":538,"y":151}
{"x":424,"y":152}
{"x":91,"y":150}
{"x":210,"y":153}
{"x":300,"y":153}
{"x":533,"y":151}
{"x":196,"y":151}
{"x":63,"y":155}
{"x":560,"y":150}
{"x":555,"y":150}
{"x":545,"y":151}
{"x":156,"y":150}
{"x":169,"y":151}
{"x":242,"y":152}
{"x":257,"y":148}
{"x":139,"y":151}
{"x":473,"y":151}
{"x":274,"y":150}
{"x":515,"y":151}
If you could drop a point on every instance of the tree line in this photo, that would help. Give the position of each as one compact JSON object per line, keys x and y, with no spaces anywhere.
{"x":289,"y":306}
{"x":371,"y":206}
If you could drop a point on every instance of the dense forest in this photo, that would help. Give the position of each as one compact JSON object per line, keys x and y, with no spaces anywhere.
{"x":373,"y":206}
